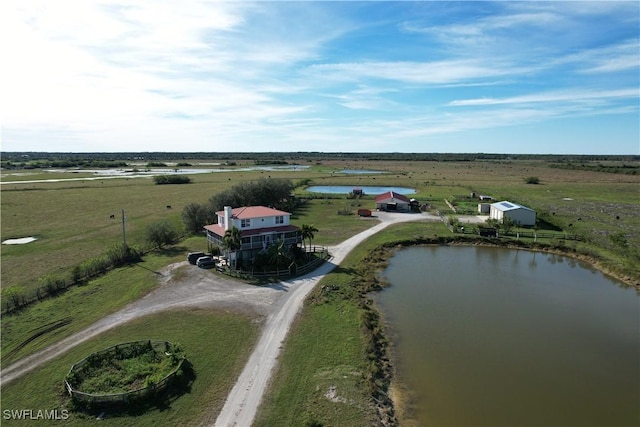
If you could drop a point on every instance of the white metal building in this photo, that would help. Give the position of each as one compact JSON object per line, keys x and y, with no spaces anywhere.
{"x":521,"y":215}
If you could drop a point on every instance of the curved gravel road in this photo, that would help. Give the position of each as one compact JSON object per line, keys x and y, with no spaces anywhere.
{"x":245,"y":397}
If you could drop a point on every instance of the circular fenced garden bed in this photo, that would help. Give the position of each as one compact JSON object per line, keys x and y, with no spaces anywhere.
{"x":124,"y":373}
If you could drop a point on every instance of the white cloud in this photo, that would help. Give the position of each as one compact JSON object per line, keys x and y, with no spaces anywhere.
{"x":551,"y":97}
{"x":436,"y":73}
{"x":163,"y":75}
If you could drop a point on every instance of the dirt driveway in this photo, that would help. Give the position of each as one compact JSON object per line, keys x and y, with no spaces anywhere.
{"x":184,"y":285}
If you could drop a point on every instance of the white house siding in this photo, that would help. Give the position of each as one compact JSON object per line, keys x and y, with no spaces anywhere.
{"x":259,"y":227}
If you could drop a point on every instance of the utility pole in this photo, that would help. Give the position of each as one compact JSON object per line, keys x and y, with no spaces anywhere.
{"x":124,"y":232}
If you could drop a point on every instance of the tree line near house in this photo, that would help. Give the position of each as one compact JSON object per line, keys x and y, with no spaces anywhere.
{"x":271,"y":192}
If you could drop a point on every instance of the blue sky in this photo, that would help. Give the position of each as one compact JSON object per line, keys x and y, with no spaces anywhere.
{"x":162,"y":75}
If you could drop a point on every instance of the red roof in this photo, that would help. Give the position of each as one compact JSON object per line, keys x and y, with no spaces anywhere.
{"x":248,"y":212}
{"x":391,"y":195}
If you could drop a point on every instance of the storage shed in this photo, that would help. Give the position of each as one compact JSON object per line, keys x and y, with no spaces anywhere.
{"x":392,"y":201}
{"x":521,"y":215}
{"x":484,"y":208}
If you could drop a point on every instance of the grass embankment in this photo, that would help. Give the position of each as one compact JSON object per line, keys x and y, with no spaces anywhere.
{"x":334,"y":359}
{"x":216,"y":344}
{"x":53,"y":319}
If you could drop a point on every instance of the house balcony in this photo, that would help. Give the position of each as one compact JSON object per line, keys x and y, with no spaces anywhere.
{"x":260,"y":241}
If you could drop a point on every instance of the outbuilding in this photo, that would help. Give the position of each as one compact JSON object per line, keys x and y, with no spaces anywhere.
{"x":520,"y":215}
{"x":392,"y":201}
{"x":484,"y":208}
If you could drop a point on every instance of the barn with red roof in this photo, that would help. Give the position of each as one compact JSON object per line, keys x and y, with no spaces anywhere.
{"x":392,"y":201}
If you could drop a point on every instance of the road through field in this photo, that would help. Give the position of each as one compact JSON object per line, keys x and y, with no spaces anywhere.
{"x":245,"y":397}
{"x":195,"y":287}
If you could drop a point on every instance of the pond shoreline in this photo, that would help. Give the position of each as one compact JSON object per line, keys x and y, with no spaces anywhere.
{"x":398,"y":398}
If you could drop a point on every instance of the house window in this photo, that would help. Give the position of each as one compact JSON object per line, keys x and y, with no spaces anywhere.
{"x":280,"y":220}
{"x":245,"y":223}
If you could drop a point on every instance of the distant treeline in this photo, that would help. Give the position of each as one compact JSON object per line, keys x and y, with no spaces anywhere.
{"x":83,"y":159}
{"x":599,"y":167}
{"x":45,"y":163}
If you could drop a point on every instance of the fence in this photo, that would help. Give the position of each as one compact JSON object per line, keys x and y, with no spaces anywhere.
{"x":125,"y":397}
{"x":522,"y":234}
{"x":462,"y":229}
{"x":294,"y":270}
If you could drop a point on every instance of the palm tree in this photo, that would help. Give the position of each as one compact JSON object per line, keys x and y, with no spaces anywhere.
{"x":276,"y":254}
{"x":308,"y":232}
{"x":232,"y":241}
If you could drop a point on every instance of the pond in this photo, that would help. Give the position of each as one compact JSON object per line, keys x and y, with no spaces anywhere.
{"x":346,"y":189}
{"x":499,"y":337}
{"x":359,"y":172}
{"x":100,"y":174}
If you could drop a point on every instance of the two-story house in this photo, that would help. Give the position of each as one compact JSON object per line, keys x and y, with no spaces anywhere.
{"x":259,"y":226}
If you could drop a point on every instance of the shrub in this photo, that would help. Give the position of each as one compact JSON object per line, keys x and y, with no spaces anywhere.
{"x":171,"y":179}
{"x":161,"y":233}
{"x":532,"y":180}
{"x":194,"y":217}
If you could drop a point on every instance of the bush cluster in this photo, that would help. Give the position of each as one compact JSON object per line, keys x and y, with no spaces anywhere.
{"x":171,"y":179}
{"x":126,"y":367}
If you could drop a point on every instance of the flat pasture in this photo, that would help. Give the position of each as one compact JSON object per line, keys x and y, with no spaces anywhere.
{"x":325,"y":356}
{"x":74,"y":220}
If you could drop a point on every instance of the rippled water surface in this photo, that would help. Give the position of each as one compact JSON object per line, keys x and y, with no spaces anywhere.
{"x":498,"y":337}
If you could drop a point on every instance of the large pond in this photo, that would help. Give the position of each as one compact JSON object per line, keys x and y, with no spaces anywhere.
{"x":499,"y":337}
{"x":346,"y":189}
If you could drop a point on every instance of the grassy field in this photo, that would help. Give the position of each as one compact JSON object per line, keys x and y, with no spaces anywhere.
{"x":216,"y":364}
{"x":322,"y":372}
{"x":324,"y":357}
{"x":82,"y":305}
{"x":72,"y":219}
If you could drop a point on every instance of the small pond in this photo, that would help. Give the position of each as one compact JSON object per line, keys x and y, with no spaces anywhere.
{"x":359,"y":172}
{"x":346,"y":189}
{"x":499,"y":337}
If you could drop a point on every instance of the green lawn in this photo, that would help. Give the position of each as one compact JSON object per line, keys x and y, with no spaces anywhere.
{"x":217,"y":344}
{"x":83,"y":305}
